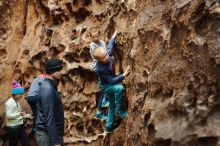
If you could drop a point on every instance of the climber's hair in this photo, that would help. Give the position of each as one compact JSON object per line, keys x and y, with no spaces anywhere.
{"x":97,"y":52}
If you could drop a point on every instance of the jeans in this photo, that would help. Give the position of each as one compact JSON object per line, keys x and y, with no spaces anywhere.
{"x":16,"y":133}
{"x":115,"y":94}
{"x":43,"y":138}
{"x":99,"y":103}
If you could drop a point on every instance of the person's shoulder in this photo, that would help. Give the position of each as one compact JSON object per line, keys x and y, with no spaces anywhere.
{"x":92,"y":45}
{"x":45,"y":84}
{"x":9,"y":101}
{"x":46,"y":90}
{"x":36,"y":80}
{"x":40,"y":79}
{"x":97,"y":67}
{"x":101,"y":41}
{"x":100,"y":68}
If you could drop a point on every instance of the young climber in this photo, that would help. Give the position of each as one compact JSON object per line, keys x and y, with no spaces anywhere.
{"x":14,"y":115}
{"x":32,"y":96}
{"x":97,"y":42}
{"x":110,"y":83}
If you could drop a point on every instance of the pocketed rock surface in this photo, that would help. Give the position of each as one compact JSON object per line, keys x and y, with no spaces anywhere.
{"x":173,"y":50}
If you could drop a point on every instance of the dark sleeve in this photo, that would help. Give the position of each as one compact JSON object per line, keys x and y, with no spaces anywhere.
{"x":110,"y":46}
{"x":32,"y":99}
{"x":112,"y":80}
{"x":32,"y":95}
{"x":48,"y":105}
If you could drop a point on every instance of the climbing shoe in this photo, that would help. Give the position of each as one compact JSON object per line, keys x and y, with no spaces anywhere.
{"x":101,"y":116}
{"x":105,"y":102}
{"x":122,"y":114}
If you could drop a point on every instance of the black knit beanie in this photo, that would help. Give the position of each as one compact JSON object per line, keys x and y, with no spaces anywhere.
{"x":53,"y":65}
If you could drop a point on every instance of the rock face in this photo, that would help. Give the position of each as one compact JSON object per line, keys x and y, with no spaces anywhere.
{"x":172,"y":47}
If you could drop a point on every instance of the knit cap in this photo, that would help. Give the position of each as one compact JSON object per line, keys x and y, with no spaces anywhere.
{"x":16,"y":88}
{"x":53,"y":65}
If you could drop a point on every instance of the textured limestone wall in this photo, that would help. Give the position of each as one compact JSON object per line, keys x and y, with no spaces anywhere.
{"x":172,"y":47}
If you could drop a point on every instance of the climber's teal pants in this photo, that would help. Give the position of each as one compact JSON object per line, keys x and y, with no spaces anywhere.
{"x":115,"y":94}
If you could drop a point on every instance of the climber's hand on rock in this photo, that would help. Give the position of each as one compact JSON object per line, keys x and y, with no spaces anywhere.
{"x":127,"y":71}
